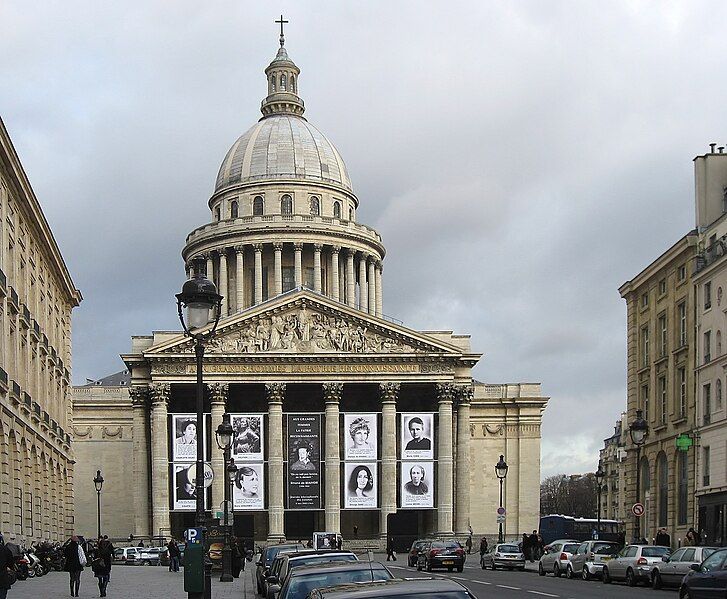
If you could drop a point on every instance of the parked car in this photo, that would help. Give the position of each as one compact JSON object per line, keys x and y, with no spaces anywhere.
{"x":149,"y":556}
{"x":673,"y":568}
{"x":441,"y":554}
{"x":441,"y":588}
{"x":706,"y":580}
{"x":503,"y":555}
{"x":284,"y":563}
{"x":587,"y":562}
{"x":303,"y":580}
{"x":634,"y":563}
{"x":267,"y":555}
{"x":131,"y":553}
{"x":416,"y":547}
{"x":556,"y":555}
{"x":121,"y":554}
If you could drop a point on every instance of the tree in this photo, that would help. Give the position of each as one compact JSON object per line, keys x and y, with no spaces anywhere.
{"x":570,"y":495}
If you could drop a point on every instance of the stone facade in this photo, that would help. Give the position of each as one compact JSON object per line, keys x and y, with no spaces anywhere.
{"x":613,"y":462}
{"x":36,"y":299}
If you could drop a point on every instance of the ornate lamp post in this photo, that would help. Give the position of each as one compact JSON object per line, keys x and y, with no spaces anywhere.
{"x":600,"y":475}
{"x":202,"y":303}
{"x":224,"y":442}
{"x":638,"y":429}
{"x":98,"y":483}
{"x":501,"y":472}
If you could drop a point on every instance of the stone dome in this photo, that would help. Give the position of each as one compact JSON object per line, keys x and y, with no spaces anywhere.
{"x":282,"y":146}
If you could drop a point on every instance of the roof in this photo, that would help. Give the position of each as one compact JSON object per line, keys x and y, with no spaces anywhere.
{"x":118,"y":379}
{"x":391,"y":588}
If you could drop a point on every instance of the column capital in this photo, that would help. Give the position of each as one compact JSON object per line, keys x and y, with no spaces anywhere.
{"x":380,"y":265}
{"x":350,"y":252}
{"x":258,"y":247}
{"x":278,"y":246}
{"x":335,"y":249}
{"x":298,"y":245}
{"x":218,"y":392}
{"x":139,"y":396}
{"x":389,"y":392}
{"x":275,"y":392}
{"x":221,"y":252}
{"x":240,"y":249}
{"x":159,"y":393}
{"x":318,"y":247}
{"x":464,"y":394}
{"x":446,"y":392}
{"x":371,"y":259}
{"x":332,"y":392}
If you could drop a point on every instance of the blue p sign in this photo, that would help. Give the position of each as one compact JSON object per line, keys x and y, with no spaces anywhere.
{"x":193,"y":535}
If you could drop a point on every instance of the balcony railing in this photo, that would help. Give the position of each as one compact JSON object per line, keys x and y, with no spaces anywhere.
{"x":711,"y":254}
{"x":3,"y":281}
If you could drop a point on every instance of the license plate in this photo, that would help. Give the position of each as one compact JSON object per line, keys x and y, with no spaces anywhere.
{"x":448,"y":562}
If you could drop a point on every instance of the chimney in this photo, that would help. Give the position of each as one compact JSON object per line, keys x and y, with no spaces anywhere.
{"x":712,"y":147}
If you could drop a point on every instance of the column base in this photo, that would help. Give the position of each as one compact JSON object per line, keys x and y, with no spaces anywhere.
{"x":447,"y":534}
{"x":274,"y":539}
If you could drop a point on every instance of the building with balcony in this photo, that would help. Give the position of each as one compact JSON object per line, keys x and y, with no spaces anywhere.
{"x":37,"y":296}
{"x":613,"y":462}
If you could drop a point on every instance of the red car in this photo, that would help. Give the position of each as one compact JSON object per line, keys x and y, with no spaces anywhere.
{"x":442,"y":554}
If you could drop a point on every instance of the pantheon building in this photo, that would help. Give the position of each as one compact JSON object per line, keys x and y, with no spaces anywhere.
{"x":345,"y":420}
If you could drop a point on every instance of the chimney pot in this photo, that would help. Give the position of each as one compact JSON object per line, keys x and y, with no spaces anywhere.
{"x":721,"y":149}
{"x":712,"y":147}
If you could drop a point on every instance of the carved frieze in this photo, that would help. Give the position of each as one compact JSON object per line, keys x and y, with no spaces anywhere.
{"x":111,"y":433}
{"x":83,"y":433}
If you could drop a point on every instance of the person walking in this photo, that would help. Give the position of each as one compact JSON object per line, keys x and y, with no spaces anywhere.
{"x":468,"y":544}
{"x":390,"y":554}
{"x":101,"y":566}
{"x":75,"y":560}
{"x":692,"y":538}
{"x":7,"y":576}
{"x":483,"y":547}
{"x":238,"y":563}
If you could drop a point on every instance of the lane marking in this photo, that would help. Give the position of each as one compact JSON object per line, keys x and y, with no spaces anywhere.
{"x":544,"y":594}
{"x":504,"y":586}
{"x":459,"y":578}
{"x":481,"y":582}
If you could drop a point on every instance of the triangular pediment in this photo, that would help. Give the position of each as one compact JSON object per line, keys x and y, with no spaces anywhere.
{"x":308,"y":323}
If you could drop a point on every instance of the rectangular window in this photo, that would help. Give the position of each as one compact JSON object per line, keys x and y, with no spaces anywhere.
{"x":707,"y":403}
{"x":645,"y":346}
{"x":308,"y":277}
{"x":662,"y":400}
{"x":645,"y":401}
{"x":682,"y":316}
{"x":682,"y":380}
{"x":682,"y":272}
{"x":662,"y":287}
{"x":705,"y":467}
{"x":288,"y":278}
{"x":708,"y":295}
{"x":645,"y":300}
{"x":707,"y":346}
{"x":662,"y":336}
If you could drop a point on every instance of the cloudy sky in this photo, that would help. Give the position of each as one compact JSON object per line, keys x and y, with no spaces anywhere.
{"x":521,"y":160}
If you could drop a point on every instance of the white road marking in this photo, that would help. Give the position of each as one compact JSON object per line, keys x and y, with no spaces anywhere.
{"x":481,"y":581}
{"x":459,"y":577}
{"x":544,"y":594}
{"x":504,"y":586}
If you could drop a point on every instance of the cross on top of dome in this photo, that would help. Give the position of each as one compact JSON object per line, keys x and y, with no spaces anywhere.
{"x":282,"y":35}
{"x":282,"y":74}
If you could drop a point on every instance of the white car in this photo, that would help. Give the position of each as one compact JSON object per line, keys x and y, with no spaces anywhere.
{"x":634,"y":564}
{"x":149,"y":556}
{"x":587,"y":562}
{"x":556,"y":555}
{"x":503,"y":555}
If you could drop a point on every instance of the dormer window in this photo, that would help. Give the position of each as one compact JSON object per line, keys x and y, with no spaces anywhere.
{"x":286,"y":205}
{"x":258,"y":206}
{"x":337,"y":209}
{"x":315,"y":206}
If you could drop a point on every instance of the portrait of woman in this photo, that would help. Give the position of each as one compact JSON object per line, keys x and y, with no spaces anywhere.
{"x":361,"y":482}
{"x":361,"y":444}
{"x":248,"y":481}
{"x":248,"y":491}
{"x":359,"y":431}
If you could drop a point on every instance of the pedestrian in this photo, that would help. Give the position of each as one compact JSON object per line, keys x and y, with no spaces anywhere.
{"x":663,"y":538}
{"x":238,"y":563}
{"x":525,"y":547}
{"x":174,"y":555}
{"x":533,"y":543}
{"x":468,"y":544}
{"x":75,"y":560}
{"x":390,"y":553}
{"x":7,"y":574}
{"x":483,"y":546}
{"x":692,"y":538}
{"x":101,"y":566}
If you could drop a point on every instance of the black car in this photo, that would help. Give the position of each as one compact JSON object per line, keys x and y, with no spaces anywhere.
{"x":706,"y":580}
{"x":416,"y":547}
{"x":284,"y":562}
{"x":441,"y":554}
{"x":266,"y":559}
{"x":305,"y":579}
{"x":441,"y":588}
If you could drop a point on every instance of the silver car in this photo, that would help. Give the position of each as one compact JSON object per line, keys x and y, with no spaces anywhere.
{"x":503,"y":555}
{"x":672,"y":569}
{"x":634,"y":563}
{"x":556,"y":555}
{"x":587,"y":562}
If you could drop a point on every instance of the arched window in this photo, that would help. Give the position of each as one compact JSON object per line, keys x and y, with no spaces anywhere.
{"x":272,"y":82}
{"x":258,"y":206}
{"x":283,"y":83}
{"x":315,"y":206}
{"x":337,"y":209}
{"x":719,"y":343}
{"x":217,"y":213}
{"x":718,"y":394}
{"x":663,"y":477}
{"x":286,"y":205}
{"x":292,"y":83}
{"x":350,"y":214}
{"x":234,"y":210}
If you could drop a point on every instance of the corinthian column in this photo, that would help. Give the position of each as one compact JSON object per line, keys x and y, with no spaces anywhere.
{"x":210,"y":267}
{"x":445,"y":394}
{"x":462,"y":498}
{"x":379,"y":290}
{"x":278,"y":267}
{"x":218,"y":404}
{"x":223,"y":282}
{"x":363,"y":288}
{"x":240,"y":278}
{"x":332,"y":396}
{"x":335,"y":292}
{"x":350,"y":280}
{"x":275,"y":394}
{"x":159,"y":458}
{"x":372,"y":286}
{"x":317,"y":267}
{"x":298,"y":264}
{"x":389,"y":394}
{"x":258,"y":247}
{"x":140,"y":459}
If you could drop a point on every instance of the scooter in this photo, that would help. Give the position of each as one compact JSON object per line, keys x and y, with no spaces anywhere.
{"x":21,"y":567}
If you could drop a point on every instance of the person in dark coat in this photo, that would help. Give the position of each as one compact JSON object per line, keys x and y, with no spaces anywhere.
{"x":6,"y":563}
{"x":238,"y":563}
{"x":534,"y":546}
{"x":73,"y":564}
{"x":390,"y":555}
{"x":102,"y":564}
{"x":483,"y":546}
{"x":662,"y":538}
{"x":526,"y":546}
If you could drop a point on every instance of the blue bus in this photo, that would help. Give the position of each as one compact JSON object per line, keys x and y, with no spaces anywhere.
{"x":555,"y":526}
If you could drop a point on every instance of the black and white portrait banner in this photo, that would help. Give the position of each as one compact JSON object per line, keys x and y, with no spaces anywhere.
{"x":304,"y":467}
{"x":361,"y":486}
{"x":361,"y":434}
{"x":417,"y":436}
{"x":247,"y":437}
{"x":248,"y":491}
{"x":184,"y":495}
{"x":417,"y":484}
{"x":184,"y":437}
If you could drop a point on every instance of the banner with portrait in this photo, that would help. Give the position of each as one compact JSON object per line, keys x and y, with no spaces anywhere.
{"x":304,"y":465}
{"x":417,"y":436}
{"x":248,"y":490}
{"x":417,"y":484}
{"x":184,"y":496}
{"x":184,"y":437}
{"x":361,"y":486}
{"x":247,"y":437}
{"x":360,"y":437}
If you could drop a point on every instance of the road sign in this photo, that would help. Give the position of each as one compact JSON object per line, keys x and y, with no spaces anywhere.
{"x":501,"y":511}
{"x":208,"y":475}
{"x":500,"y":518}
{"x":637,"y":509}
{"x":193,"y":535}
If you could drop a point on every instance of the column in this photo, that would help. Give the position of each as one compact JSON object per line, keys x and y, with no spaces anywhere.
{"x":298,"y":264}
{"x":218,"y":404}
{"x":335,"y":291}
{"x":258,"y":247}
{"x":350,"y":280}
{"x":332,"y":396}
{"x":140,"y":458}
{"x":223,"y":282}
{"x":275,"y":393}
{"x":445,"y":395}
{"x":240,"y":278}
{"x":462,"y":498}
{"x":278,"y":275}
{"x":159,"y":458}
{"x":372,"y":286}
{"x":317,"y":267}
{"x":363,"y":288}
{"x":379,"y":291}
{"x":210,"y":267}
{"x":341,"y":282}
{"x":389,"y":394}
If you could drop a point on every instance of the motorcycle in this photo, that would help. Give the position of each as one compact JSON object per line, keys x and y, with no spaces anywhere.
{"x":35,"y":567}
{"x":22,"y":570}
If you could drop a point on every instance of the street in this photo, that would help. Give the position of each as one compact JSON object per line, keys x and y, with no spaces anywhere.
{"x":139,"y":582}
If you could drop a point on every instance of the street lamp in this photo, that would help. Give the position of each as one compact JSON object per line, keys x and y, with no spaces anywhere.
{"x":98,"y":483}
{"x":501,"y":473}
{"x":638,"y":429}
{"x":223,"y":435}
{"x":202,"y":303}
{"x":600,"y":475}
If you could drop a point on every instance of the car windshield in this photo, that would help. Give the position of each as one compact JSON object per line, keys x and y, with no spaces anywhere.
{"x":273,"y":551}
{"x":604,"y":548}
{"x":655,"y":551}
{"x":300,"y":586}
{"x":570,"y":547}
{"x":508,"y":549}
{"x":315,"y":559}
{"x":449,"y":545}
{"x":707,"y":551}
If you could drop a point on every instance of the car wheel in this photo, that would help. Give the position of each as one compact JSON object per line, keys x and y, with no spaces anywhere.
{"x":684,"y":593}
{"x":569,"y":572}
{"x":656,"y":582}
{"x":428,"y":566}
{"x":630,"y":578}
{"x":450,"y":569}
{"x":31,"y":573}
{"x":460,"y":568}
{"x":541,"y":572}
{"x":585,"y":574}
{"x":556,"y":569}
{"x":606,"y":576}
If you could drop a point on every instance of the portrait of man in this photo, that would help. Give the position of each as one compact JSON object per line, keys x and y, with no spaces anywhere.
{"x":417,"y":484}
{"x":303,"y":462}
{"x":416,"y":436}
